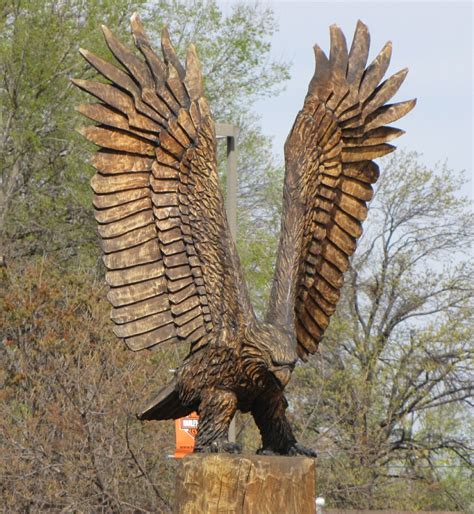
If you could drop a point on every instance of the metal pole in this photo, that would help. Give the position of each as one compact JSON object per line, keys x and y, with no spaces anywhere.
{"x":230,"y":132}
{"x":231,"y":206}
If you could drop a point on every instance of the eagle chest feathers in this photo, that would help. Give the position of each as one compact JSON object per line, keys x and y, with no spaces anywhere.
{"x":260,"y":360}
{"x":172,"y":265}
{"x":211,"y":367}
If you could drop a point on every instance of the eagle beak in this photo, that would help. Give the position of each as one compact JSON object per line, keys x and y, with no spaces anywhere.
{"x":283,"y":375}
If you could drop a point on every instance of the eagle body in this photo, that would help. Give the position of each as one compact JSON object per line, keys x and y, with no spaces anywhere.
{"x":172,"y":266}
{"x":248,"y":375}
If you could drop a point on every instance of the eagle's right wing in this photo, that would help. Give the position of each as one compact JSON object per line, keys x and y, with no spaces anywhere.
{"x":173,"y":269}
{"x":329,"y":171}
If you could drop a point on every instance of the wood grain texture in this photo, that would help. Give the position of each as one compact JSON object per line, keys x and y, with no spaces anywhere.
{"x":329,"y":171}
{"x":245,"y":485}
{"x":173,"y":269}
{"x":172,"y":266}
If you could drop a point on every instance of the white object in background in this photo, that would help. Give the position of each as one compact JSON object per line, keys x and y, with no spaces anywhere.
{"x":320,"y":503}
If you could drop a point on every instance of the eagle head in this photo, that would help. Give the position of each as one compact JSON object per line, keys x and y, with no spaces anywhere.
{"x":269,"y":352}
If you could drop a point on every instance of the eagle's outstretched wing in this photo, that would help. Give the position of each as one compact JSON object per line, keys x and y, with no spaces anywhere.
{"x":329,"y":172}
{"x":173,"y":269}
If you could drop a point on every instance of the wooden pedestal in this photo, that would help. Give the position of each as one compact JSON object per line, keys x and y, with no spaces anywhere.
{"x":250,"y":484}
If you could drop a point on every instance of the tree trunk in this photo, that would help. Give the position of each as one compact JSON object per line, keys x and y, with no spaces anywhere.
{"x":237,"y":484}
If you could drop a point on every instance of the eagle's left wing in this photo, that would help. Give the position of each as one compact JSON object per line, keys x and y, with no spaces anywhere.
{"x":329,"y":171}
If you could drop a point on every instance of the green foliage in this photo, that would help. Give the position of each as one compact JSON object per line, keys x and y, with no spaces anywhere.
{"x":44,"y":198}
{"x":233,"y":50}
{"x":259,"y":214}
{"x":45,"y":202}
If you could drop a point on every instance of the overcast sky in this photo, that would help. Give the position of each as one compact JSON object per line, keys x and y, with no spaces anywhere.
{"x":432,"y":39}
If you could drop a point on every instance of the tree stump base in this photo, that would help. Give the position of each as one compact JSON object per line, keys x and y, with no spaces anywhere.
{"x":245,"y":484}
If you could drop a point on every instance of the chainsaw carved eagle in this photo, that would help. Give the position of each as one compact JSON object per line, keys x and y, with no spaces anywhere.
{"x":172,"y":266}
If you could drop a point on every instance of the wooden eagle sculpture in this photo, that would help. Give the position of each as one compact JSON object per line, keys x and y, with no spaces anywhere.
{"x":172,"y":266}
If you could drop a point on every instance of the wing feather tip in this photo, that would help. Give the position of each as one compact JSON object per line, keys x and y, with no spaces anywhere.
{"x":319,"y":52}
{"x":136,"y":25}
{"x":82,"y":109}
{"x":82,"y":131}
{"x":400,"y":75}
{"x":165,"y":37}
{"x":361,"y":35}
{"x":77,"y":82}
{"x":83,"y":51}
{"x":408,"y":104}
{"x":129,"y":344}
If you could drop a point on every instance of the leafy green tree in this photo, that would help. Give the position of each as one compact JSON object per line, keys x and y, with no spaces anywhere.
{"x":44,"y":193}
{"x":43,"y":180}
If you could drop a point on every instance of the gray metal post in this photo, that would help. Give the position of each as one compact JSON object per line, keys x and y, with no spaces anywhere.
{"x":230,"y":132}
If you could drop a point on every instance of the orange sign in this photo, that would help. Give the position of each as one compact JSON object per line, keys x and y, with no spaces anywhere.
{"x":186,"y":430}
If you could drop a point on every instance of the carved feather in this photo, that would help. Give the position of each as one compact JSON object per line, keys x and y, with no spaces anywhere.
{"x":172,"y":266}
{"x":329,"y":153}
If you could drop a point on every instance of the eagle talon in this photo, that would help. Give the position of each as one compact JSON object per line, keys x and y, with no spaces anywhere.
{"x":266,"y":451}
{"x":293,"y":450}
{"x":299,"y":449}
{"x":219,"y":447}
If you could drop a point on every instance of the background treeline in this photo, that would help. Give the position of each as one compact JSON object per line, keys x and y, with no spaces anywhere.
{"x":385,"y":402}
